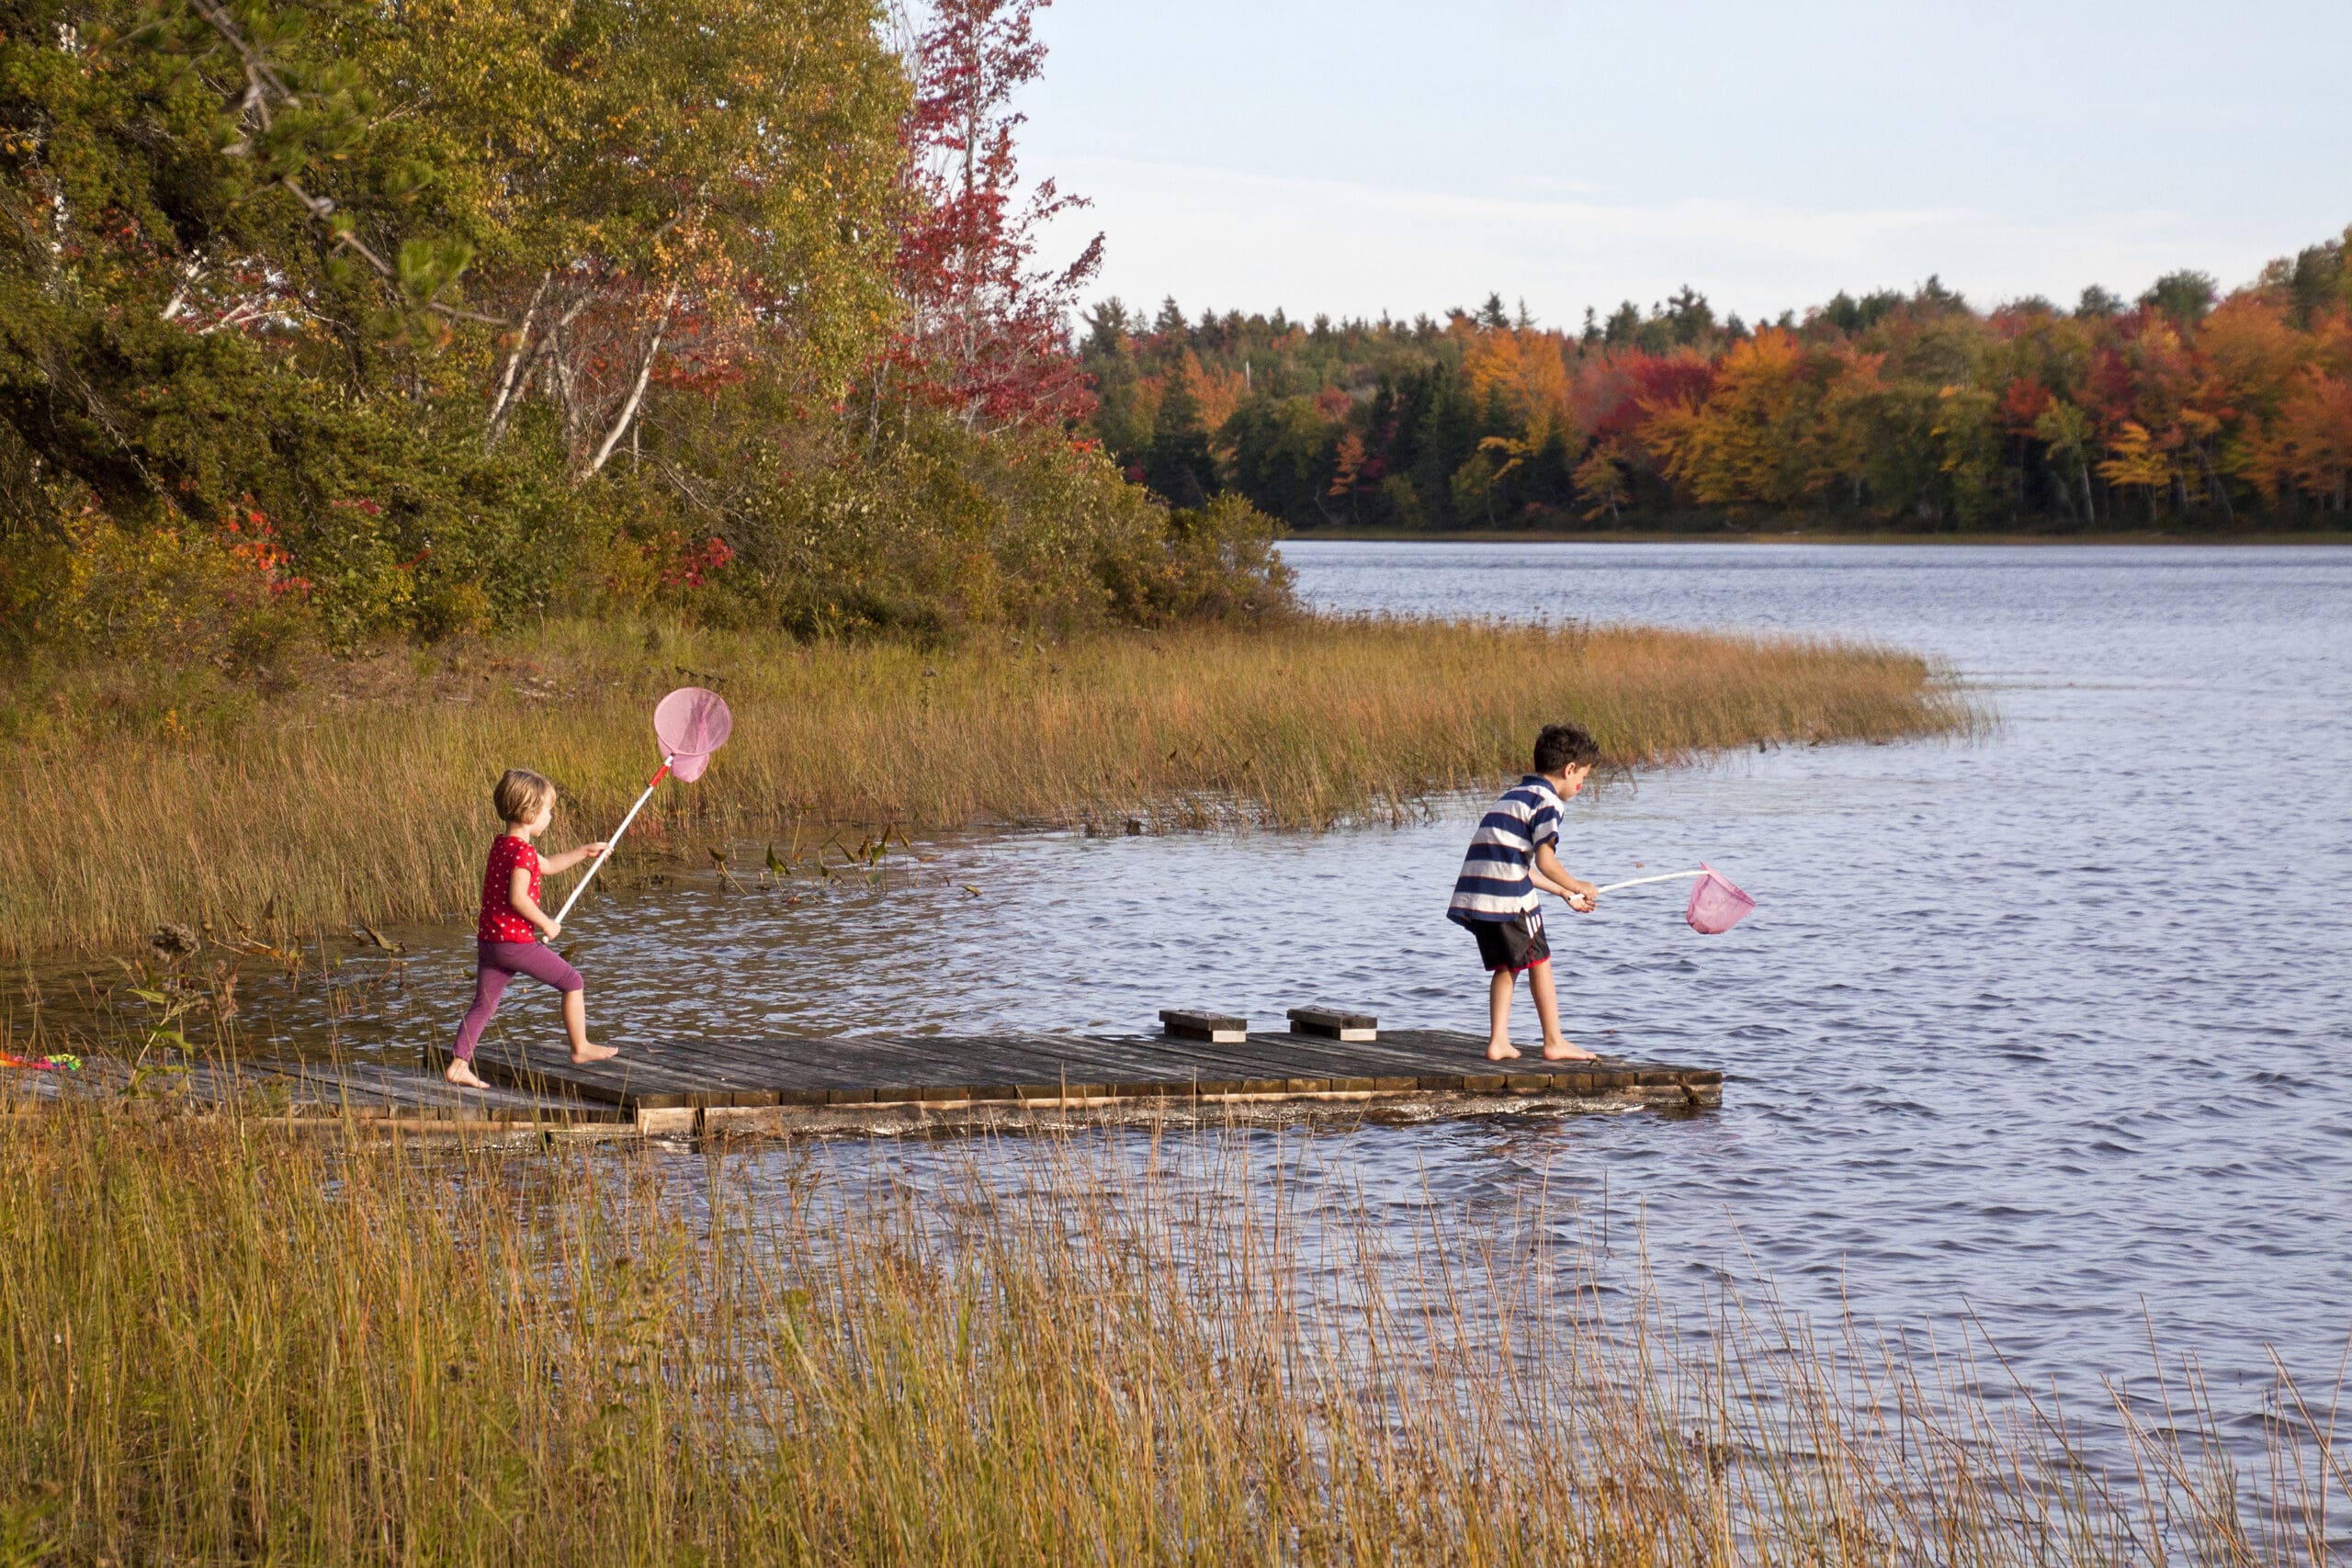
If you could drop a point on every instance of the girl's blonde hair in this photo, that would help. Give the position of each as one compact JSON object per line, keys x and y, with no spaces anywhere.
{"x":520,"y":793}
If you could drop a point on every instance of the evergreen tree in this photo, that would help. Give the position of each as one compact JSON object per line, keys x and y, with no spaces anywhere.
{"x":2184,"y":296}
{"x":1689,"y":315}
{"x":1178,"y":464}
{"x":2098,"y":304}
{"x":1446,"y":439}
{"x":1111,"y":360}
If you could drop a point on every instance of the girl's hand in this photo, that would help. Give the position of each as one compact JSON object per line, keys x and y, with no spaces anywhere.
{"x":592,"y":851}
{"x":553,"y":929}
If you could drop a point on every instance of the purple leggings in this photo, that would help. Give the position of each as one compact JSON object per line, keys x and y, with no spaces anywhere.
{"x":497,"y":963}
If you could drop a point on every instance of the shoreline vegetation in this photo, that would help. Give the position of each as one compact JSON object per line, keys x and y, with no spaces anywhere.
{"x":362,"y":796}
{"x":229,"y":1344}
{"x":2184,"y":410}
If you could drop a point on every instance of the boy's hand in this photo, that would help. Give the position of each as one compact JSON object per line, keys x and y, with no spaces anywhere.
{"x":1582,"y":903}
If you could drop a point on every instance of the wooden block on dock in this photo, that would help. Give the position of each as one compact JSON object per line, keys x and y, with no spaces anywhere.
{"x":1216,"y":1028}
{"x":1334,"y":1023}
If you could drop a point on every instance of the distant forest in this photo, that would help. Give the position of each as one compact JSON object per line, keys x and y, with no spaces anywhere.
{"x":1919,"y":411}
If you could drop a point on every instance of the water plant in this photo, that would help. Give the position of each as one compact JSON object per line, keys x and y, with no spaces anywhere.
{"x":362,"y":797}
{"x":224,"y":1343}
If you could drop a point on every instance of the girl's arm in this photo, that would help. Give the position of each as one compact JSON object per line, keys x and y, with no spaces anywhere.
{"x":518,"y":896}
{"x":569,"y":858}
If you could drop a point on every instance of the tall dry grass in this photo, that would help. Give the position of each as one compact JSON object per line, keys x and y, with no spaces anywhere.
{"x":217,"y":1346}
{"x":365,"y":797}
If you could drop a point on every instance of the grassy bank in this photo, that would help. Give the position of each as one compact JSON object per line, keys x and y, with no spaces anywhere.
{"x":364,"y":794}
{"x":224,"y":1347}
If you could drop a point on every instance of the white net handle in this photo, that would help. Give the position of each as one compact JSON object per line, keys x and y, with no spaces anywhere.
{"x":1645,"y":880}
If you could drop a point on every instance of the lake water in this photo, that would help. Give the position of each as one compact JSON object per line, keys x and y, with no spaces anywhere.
{"x":2050,"y":1026}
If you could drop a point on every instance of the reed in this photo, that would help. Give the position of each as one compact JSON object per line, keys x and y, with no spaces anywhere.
{"x":364,"y":795}
{"x":225,"y":1345}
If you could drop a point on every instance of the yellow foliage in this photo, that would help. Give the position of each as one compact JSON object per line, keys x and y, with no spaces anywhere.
{"x":1530,"y":369}
{"x":1751,"y":440}
{"x":2139,"y":461}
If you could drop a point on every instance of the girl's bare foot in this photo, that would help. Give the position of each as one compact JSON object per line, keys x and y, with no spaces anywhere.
{"x":461,"y":1073}
{"x":582,"y":1054}
{"x":1501,"y":1051}
{"x":1565,"y":1051}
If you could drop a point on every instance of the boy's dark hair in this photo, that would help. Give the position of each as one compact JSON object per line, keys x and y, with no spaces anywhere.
{"x":1564,"y":746}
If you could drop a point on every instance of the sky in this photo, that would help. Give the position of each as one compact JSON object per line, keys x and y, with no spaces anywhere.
{"x":1361,"y":156}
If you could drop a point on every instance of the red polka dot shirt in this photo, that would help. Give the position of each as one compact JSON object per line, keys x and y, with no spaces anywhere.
{"x":498,"y":921}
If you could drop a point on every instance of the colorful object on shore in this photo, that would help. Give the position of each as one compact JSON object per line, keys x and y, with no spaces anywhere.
{"x":56,"y":1063}
{"x":1716,"y":904}
{"x":689,"y":724}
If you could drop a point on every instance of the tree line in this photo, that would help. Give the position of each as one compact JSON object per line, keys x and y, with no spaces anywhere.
{"x":2183,"y":407}
{"x":334,"y":320}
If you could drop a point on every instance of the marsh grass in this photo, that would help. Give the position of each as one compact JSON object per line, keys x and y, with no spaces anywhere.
{"x":364,"y":795}
{"x":225,"y":1345}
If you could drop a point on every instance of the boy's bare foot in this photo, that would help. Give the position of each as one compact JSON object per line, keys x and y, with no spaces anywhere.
{"x":461,"y":1073}
{"x":1567,"y":1052}
{"x":584,"y":1054}
{"x":1501,"y":1051}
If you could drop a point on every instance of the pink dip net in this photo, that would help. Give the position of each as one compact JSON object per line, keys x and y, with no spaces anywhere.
{"x":1715,"y":905}
{"x":691,"y":723}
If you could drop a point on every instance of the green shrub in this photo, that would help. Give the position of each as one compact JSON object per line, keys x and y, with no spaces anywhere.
{"x":939,"y":534}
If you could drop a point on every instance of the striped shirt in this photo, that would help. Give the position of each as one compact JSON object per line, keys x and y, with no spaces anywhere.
{"x":1494,"y":884}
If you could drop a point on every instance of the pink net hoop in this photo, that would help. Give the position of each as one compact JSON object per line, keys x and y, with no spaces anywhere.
{"x":691,"y":723}
{"x":1715,"y":905}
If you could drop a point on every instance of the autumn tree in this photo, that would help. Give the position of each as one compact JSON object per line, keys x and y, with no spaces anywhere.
{"x":1749,"y":441}
{"x":985,"y":330}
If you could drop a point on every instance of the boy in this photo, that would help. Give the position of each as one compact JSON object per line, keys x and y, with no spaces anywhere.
{"x":1510,"y":858}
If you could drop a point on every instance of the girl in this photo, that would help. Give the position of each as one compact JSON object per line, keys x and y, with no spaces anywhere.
{"x":505,"y":942}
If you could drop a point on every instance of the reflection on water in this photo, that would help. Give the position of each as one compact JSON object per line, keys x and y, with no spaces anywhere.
{"x":2050,"y":1026}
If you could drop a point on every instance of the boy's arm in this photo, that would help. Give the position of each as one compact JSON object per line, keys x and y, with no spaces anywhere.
{"x":1553,"y":877}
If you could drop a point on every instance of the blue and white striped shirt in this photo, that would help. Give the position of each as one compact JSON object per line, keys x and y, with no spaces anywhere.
{"x":1494,"y":884}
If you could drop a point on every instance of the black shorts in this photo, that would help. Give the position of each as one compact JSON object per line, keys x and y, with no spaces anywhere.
{"x":1514,"y":944}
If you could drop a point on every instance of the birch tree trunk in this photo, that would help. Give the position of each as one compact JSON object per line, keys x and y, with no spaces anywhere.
{"x":636,"y":393}
{"x":514,"y":363}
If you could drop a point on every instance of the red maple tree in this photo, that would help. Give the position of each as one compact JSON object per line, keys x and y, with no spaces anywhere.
{"x":985,"y":334}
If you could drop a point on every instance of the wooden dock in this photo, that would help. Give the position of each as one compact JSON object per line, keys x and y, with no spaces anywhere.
{"x":902,"y":1082}
{"x":1205,"y":1068}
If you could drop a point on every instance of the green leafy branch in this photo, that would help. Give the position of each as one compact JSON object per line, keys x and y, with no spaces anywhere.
{"x":286,"y":124}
